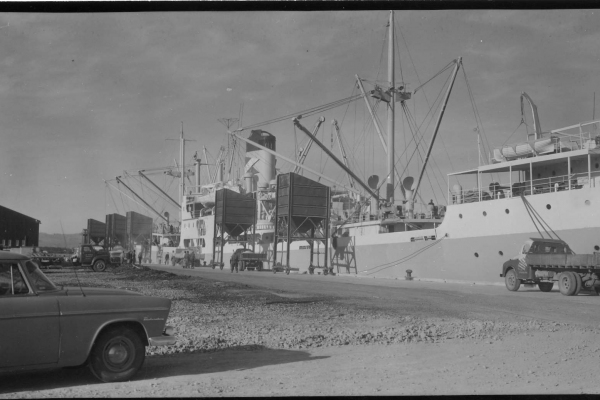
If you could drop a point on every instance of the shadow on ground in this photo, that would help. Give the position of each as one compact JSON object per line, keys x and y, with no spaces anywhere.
{"x":237,"y":358}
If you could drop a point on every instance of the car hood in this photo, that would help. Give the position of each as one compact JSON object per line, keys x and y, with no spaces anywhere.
{"x":76,"y":291}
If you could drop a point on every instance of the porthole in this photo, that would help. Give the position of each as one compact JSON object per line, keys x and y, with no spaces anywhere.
{"x":501,"y":253}
{"x":459,"y":215}
{"x":484,"y":213}
{"x":507,"y":211}
{"x":476,"y":254}
{"x":596,"y":247}
{"x":548,"y":206}
{"x":597,"y":165}
{"x":587,"y":202}
{"x":553,"y":173}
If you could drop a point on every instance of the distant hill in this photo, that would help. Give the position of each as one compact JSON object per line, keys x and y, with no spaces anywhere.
{"x":58,"y":240}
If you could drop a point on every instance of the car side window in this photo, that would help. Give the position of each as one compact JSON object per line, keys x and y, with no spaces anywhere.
{"x":11,"y":280}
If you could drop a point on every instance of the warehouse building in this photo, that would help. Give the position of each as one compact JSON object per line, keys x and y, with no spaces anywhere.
{"x":18,"y":230}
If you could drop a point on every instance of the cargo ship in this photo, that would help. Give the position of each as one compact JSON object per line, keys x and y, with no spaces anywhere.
{"x":543,"y":186}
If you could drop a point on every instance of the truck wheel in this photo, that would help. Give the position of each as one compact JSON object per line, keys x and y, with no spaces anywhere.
{"x":567,"y":284}
{"x":510,"y":280}
{"x":579,"y":283}
{"x":545,"y":286}
{"x":99,"y":266}
{"x":117,"y":355}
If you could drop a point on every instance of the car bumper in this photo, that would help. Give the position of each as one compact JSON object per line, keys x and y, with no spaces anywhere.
{"x":166,"y":339}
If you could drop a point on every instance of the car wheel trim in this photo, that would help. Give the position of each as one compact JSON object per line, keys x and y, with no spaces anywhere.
{"x":117,"y":354}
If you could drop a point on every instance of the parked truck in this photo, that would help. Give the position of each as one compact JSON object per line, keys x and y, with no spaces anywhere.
{"x":94,"y":256}
{"x":543,"y":262}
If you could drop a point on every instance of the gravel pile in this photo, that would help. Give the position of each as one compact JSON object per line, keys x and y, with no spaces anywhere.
{"x":210,"y":316}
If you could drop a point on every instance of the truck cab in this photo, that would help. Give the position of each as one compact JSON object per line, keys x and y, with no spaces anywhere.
{"x":94,"y":256}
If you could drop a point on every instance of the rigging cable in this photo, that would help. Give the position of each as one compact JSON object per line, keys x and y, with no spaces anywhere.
{"x":305,"y":113}
{"x":404,"y":259}
{"x":425,"y":95}
{"x":538,"y":217}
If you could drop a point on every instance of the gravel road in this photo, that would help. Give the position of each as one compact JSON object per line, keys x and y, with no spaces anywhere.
{"x":237,"y":339}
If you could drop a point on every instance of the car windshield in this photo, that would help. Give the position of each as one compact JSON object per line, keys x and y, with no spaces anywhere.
{"x":98,"y":248}
{"x":40,"y":282}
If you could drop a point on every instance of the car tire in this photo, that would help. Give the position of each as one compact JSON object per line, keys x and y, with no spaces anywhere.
{"x":511,"y":281}
{"x":117,"y":355}
{"x":567,"y":284}
{"x":99,"y":266}
{"x":545,"y":286}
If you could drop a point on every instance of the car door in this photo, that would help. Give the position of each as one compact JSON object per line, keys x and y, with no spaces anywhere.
{"x":29,"y":324}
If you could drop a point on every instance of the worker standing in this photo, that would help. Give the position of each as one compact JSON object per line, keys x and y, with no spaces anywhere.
{"x":167,"y":259}
{"x":192,"y":258}
{"x":140,"y":258}
{"x":186,"y":259}
{"x":234,"y":261}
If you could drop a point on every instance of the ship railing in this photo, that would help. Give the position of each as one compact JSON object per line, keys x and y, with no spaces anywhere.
{"x":585,"y":135}
{"x":527,"y":188}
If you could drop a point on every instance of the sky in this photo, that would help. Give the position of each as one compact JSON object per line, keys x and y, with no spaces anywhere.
{"x":84,"y":97}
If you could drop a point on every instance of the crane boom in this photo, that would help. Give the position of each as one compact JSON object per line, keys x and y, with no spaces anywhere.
{"x":141,"y":199}
{"x":306,"y":149}
{"x":342,"y":151}
{"x":335,"y":159}
{"x":156,"y":186}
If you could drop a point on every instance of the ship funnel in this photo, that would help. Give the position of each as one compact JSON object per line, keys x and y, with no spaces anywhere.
{"x":408,"y":182}
{"x":260,"y":162}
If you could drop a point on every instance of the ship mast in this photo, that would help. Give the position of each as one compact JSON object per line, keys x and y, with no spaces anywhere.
{"x":390,"y":131}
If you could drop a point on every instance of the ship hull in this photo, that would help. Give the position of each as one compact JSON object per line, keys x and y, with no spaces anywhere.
{"x":470,"y":245}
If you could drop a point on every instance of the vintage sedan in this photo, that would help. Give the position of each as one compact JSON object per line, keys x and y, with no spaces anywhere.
{"x":43,"y":325}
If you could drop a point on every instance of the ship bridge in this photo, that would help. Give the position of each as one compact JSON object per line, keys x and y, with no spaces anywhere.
{"x":572,"y":163}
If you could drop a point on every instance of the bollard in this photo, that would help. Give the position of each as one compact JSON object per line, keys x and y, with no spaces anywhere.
{"x":408,"y":277}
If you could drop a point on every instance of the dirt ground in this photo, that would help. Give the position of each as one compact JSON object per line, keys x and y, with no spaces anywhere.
{"x":238,"y":340}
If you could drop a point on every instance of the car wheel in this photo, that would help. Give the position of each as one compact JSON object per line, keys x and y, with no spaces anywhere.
{"x":117,"y":355}
{"x":545,"y":286}
{"x":567,"y":284}
{"x":99,"y":266}
{"x":510,"y":280}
